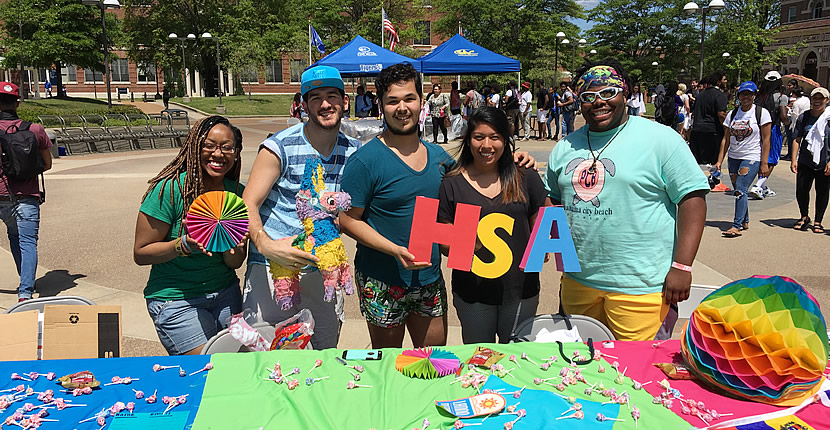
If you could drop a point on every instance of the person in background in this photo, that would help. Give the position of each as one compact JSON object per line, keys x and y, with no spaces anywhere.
{"x":810,"y":156}
{"x":20,"y":199}
{"x":165,"y":97}
{"x":635,"y":102}
{"x":684,"y":112}
{"x":553,"y":114}
{"x":191,"y":293}
{"x":616,"y":186}
{"x":47,"y":86}
{"x":800,"y":104}
{"x":455,"y":99}
{"x":709,"y":114}
{"x":525,"y":107}
{"x":438,"y":104}
{"x":374,"y":112}
{"x":542,"y":109}
{"x":746,"y":140}
{"x":296,"y":109}
{"x":486,"y":176}
{"x":567,"y":108}
{"x":472,"y":99}
{"x":511,"y":108}
{"x":495,"y":97}
{"x":775,"y":102}
{"x":362,"y":103}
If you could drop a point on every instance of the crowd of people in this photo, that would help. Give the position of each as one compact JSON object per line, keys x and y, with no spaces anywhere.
{"x":636,"y":207}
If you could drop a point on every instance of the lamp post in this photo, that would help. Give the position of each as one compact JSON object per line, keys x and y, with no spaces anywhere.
{"x":220,"y":108}
{"x":104,"y":5}
{"x":659,"y":71}
{"x":692,"y":7}
{"x":559,"y":35}
{"x":190,"y":36}
{"x":726,"y":56}
{"x":582,"y":43}
{"x":592,"y":52}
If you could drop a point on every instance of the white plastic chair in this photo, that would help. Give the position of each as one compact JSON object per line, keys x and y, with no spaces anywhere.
{"x":588,"y":327}
{"x":39,"y":303}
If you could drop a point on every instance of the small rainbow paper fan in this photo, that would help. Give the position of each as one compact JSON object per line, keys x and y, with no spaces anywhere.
{"x":761,"y":338}
{"x":218,"y":220}
{"x":427,"y":363}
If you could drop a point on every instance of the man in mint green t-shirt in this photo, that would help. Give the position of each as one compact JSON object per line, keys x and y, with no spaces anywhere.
{"x":635,"y":201}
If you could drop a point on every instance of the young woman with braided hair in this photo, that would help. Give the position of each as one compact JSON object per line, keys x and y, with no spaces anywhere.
{"x":191,"y":292}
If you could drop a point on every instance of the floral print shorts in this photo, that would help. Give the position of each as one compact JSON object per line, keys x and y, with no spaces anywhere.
{"x":387,"y":305}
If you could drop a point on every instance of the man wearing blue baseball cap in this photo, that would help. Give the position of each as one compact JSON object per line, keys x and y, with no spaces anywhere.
{"x":270,"y":195}
{"x":746,"y":141}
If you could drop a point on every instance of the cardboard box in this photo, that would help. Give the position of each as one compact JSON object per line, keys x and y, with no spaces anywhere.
{"x":20,"y":333}
{"x":80,"y":331}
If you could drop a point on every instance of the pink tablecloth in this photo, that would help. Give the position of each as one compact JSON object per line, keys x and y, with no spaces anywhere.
{"x":639,"y":357}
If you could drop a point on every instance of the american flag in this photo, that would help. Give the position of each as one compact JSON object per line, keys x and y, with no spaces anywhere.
{"x":387,"y":26}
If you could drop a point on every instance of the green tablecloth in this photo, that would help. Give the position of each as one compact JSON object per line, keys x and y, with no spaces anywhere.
{"x":236,"y":395}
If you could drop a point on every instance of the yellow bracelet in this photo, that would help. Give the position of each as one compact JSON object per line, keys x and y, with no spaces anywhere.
{"x":177,"y":244}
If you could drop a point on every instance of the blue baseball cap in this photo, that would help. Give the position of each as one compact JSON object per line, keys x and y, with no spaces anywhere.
{"x":748,"y":86}
{"x":321,"y":76}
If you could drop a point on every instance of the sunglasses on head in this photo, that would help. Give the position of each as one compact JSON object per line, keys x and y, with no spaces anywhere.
{"x":605,"y":94}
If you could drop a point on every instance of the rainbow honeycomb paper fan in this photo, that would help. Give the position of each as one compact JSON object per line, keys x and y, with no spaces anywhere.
{"x":760,"y":338}
{"x":218,"y":220}
{"x":427,"y":363}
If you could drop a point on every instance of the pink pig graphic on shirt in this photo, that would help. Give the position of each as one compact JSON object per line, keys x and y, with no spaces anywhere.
{"x":589,"y":178}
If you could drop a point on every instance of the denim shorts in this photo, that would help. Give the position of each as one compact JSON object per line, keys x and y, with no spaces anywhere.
{"x":387,"y":306}
{"x":183,"y":325}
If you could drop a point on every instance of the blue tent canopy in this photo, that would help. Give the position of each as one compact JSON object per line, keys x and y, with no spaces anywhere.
{"x":459,"y":56}
{"x":363,"y":58}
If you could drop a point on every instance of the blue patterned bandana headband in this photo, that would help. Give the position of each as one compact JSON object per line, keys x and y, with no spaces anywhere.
{"x":599,"y":76}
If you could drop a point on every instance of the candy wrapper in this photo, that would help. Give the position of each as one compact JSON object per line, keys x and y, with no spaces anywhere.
{"x":79,"y":380}
{"x":675,"y":370}
{"x":245,"y":334}
{"x":295,"y":332}
{"x":483,"y":357}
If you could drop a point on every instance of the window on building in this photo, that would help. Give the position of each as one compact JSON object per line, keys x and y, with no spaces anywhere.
{"x":91,"y":76}
{"x":817,"y":7}
{"x":69,"y":73}
{"x":249,"y":75}
{"x":120,"y":69}
{"x":422,"y":29}
{"x":146,"y":73}
{"x":296,"y":68}
{"x":274,"y":71}
{"x":792,"y":14}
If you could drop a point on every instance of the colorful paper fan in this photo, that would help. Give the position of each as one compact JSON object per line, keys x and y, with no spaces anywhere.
{"x":761,"y":338}
{"x":427,"y":363}
{"x":218,"y":220}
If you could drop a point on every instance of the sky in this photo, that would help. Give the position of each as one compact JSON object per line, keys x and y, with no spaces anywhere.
{"x":586,"y":4}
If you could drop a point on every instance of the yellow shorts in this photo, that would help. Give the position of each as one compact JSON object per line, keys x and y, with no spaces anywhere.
{"x":630,"y":317}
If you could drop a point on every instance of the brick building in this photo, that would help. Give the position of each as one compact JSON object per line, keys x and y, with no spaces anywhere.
{"x":806,"y":21}
{"x":280,"y":76}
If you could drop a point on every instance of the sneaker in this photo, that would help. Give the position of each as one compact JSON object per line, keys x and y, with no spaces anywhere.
{"x":756,"y":192}
{"x":769,"y":193}
{"x":721,"y":188}
{"x":23,"y":299}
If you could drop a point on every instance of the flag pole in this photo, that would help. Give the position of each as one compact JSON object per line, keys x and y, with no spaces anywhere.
{"x":309,"y":42}
{"x":459,"y":76}
{"x":381,"y":23}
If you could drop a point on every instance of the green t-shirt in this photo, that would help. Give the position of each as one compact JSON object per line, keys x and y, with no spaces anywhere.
{"x":622,"y":217}
{"x":183,"y":277}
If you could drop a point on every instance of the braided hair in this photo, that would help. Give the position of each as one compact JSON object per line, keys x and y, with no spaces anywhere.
{"x":189,"y":160}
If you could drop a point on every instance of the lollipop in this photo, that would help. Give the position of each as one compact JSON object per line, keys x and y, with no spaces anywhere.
{"x":569,"y":399}
{"x":207,"y":367}
{"x":101,"y":414}
{"x":152,"y":398}
{"x":545,"y":366}
{"x":458,"y":424}
{"x":540,"y":381}
{"x":525,"y":357}
{"x":517,"y":394}
{"x":292,"y":384}
{"x":513,"y":359}
{"x":635,"y":413}
{"x":352,"y":385}
{"x":578,"y":415}
{"x":603,"y":418}
{"x":171,"y":403}
{"x":575,"y":407}
{"x":310,"y":380}
{"x":130,"y":406}
{"x":158,"y":367}
{"x":317,"y":363}
{"x":16,"y":376}
{"x":600,"y":369}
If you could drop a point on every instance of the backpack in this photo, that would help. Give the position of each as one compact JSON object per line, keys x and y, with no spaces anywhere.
{"x":20,"y":157}
{"x":573,"y":107}
{"x":513,"y":103}
{"x":477,"y":102}
{"x":769,"y":104}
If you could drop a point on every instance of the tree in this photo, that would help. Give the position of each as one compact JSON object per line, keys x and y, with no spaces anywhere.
{"x":55,"y":32}
{"x":743,"y":29}
{"x":640,"y":32}
{"x":522,"y":29}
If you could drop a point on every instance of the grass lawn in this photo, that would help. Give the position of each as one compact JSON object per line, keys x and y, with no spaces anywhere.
{"x":31,"y":108}
{"x":271,"y":104}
